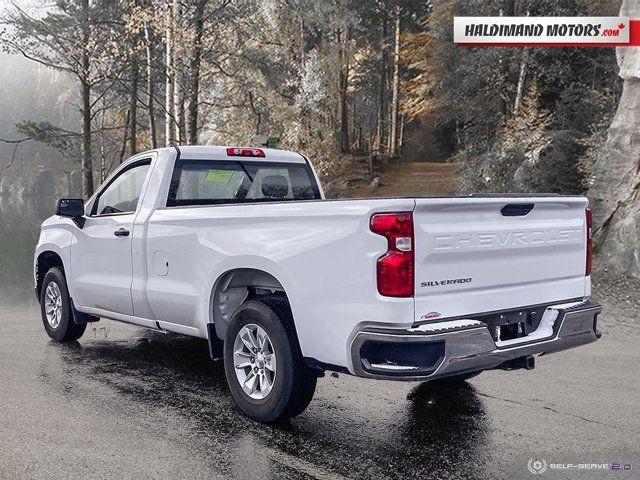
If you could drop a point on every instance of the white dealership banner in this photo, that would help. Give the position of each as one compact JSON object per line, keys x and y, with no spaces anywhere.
{"x":541,"y":31}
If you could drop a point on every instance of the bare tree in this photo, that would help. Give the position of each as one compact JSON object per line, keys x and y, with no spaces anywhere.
{"x":133,"y":105}
{"x":395,"y":86}
{"x":194,"y":74}
{"x":343,"y":41}
{"x":85,"y":81}
{"x":170,"y":86}
{"x":521,"y":78}
{"x":64,"y":40}
{"x":380,"y":126}
{"x":150,"y":85}
{"x":178,"y":71}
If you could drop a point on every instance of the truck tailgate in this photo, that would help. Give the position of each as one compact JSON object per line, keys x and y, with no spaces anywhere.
{"x":476,"y":254}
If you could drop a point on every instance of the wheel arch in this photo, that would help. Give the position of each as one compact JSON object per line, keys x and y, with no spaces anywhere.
{"x":45,"y":261}
{"x":234,"y":287}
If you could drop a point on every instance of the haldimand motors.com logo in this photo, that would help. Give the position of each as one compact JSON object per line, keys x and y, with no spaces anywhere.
{"x":539,"y":466}
{"x":545,"y":31}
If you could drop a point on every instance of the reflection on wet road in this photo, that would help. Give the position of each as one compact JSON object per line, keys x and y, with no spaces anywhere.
{"x":129,"y":403}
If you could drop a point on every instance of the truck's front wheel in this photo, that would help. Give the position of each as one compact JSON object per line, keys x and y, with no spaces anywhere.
{"x":263,"y":364}
{"x":55,"y":307}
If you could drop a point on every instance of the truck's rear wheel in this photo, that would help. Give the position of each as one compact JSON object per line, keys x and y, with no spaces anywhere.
{"x":55,"y":307}
{"x":266,"y":373}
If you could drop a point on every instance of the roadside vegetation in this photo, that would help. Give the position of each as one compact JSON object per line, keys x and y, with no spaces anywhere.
{"x":367,"y":88}
{"x":342,"y":80}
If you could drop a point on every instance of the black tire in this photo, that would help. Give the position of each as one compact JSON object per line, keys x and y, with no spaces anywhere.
{"x":66,"y":330}
{"x":295,"y":381}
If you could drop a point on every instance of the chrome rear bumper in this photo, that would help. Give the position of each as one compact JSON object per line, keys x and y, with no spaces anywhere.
{"x":456,"y":347}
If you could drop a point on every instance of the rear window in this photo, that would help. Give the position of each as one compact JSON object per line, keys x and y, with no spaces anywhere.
{"x":210,"y":182}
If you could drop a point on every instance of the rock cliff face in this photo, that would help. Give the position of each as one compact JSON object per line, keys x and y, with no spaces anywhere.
{"x":615,"y":182}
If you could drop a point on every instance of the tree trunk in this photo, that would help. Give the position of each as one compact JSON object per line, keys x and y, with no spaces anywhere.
{"x":521,"y":78}
{"x":353,"y":131}
{"x":344,"y":112}
{"x":169,"y":90}
{"x":150,"y":88}
{"x":615,"y":191}
{"x":401,"y":135}
{"x":503,"y":67}
{"x":194,"y":87}
{"x":133,"y":106}
{"x":380,"y":127}
{"x":343,"y":86}
{"x":396,"y":86}
{"x":178,"y":106}
{"x":103,"y":152}
{"x":370,"y":158}
{"x":257,"y":114}
{"x":86,"y":167}
{"x":180,"y":126}
{"x":123,"y":148}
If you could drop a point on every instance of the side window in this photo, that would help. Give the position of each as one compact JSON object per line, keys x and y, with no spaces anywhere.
{"x":123,"y":193}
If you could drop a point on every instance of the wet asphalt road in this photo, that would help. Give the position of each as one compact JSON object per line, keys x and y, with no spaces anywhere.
{"x":125,"y":402}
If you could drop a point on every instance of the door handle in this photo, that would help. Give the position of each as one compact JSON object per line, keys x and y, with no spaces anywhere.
{"x":121,"y":232}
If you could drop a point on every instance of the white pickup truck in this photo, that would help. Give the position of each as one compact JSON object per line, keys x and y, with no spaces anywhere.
{"x":238,"y":246}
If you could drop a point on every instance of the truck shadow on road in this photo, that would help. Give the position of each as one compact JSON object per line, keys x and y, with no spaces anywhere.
{"x":438,"y":428}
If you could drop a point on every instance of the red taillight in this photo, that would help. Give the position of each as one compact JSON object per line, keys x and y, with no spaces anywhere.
{"x":395,"y":267}
{"x":587,"y":271}
{"x":244,"y":152}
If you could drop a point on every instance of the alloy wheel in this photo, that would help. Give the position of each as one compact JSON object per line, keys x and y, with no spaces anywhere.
{"x":254,"y":360}
{"x":53,"y":305}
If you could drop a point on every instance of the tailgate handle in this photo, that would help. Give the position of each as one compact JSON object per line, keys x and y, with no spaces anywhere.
{"x":516,"y":209}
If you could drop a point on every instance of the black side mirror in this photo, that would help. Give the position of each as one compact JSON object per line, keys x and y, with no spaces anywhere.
{"x":73,"y":208}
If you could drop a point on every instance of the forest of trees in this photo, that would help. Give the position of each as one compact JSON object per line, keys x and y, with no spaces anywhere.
{"x":332,"y":78}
